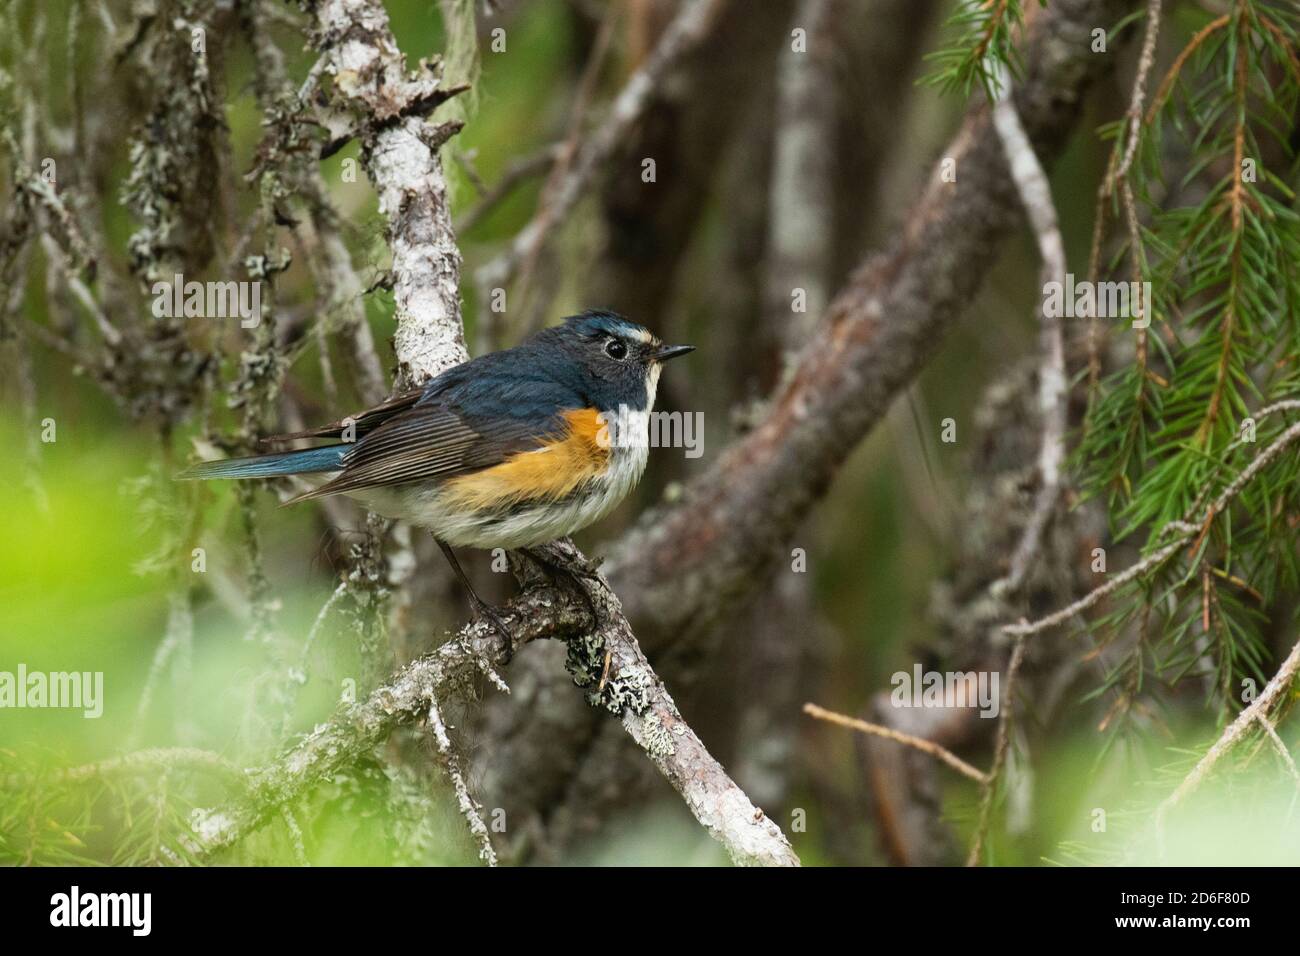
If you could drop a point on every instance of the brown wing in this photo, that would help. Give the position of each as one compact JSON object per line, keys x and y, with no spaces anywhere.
{"x":363,"y":422}
{"x":427,"y":442}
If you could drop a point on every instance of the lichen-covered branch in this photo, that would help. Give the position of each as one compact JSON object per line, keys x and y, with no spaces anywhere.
{"x":469,"y":809}
{"x":404,"y":698}
{"x":603,"y":656}
{"x":400,"y":153}
{"x":625,"y":684}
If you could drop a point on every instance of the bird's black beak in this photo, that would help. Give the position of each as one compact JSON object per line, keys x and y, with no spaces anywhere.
{"x":666,"y":352}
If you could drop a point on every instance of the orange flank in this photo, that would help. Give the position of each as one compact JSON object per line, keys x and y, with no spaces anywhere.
{"x":544,"y":474}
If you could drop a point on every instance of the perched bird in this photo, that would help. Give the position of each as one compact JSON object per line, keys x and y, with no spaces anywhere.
{"x":509,"y":450}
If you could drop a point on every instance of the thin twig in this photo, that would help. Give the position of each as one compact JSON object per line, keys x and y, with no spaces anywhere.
{"x":469,"y":807}
{"x":1278,"y":745}
{"x":515,"y":173}
{"x":1145,"y":61}
{"x":569,"y":148}
{"x":919,"y":743}
{"x":295,"y":836}
{"x":1186,"y":533}
{"x":1258,"y":710}
{"x":685,"y":32}
{"x":178,"y":634}
{"x":999,"y":754}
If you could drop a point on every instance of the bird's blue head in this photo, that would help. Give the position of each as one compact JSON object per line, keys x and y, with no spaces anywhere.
{"x":614,"y":361}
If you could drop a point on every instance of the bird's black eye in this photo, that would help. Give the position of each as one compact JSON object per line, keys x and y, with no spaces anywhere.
{"x":615,"y":349}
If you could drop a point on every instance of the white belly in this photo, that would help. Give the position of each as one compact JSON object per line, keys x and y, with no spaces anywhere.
{"x":425,"y":506}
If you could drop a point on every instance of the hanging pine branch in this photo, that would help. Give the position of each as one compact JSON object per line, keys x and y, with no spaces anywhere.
{"x":1218,"y":241}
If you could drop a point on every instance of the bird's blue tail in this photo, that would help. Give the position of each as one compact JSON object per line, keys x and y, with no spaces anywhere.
{"x":304,"y":462}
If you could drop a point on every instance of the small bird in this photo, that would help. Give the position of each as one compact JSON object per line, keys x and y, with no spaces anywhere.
{"x":509,"y":450}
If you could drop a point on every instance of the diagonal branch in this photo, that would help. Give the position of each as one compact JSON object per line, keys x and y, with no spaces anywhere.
{"x":689,"y":27}
{"x":935,"y":750}
{"x":628,"y":688}
{"x":680,"y":569}
{"x":1185,"y":533}
{"x":1258,"y":710}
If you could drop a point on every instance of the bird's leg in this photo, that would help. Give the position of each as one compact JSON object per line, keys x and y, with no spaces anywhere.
{"x":480,"y":608}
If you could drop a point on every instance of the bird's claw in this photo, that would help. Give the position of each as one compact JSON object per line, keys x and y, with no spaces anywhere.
{"x":485,"y":611}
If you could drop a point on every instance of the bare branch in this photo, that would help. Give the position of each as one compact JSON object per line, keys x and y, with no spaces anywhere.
{"x":689,"y":27}
{"x":889,"y":733}
{"x":517,"y":172}
{"x":569,"y":147}
{"x":1258,"y":710}
{"x":1053,"y":396}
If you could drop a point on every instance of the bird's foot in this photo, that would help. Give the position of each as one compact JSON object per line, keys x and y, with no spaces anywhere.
{"x":586,"y":568}
{"x":578,"y":568}
{"x":484,"y":611}
{"x":582,"y":574}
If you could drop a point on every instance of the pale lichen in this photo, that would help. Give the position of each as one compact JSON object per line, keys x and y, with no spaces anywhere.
{"x":628,"y":689}
{"x":586,"y":658}
{"x":656,"y":739}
